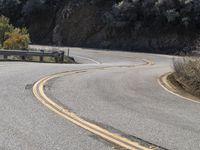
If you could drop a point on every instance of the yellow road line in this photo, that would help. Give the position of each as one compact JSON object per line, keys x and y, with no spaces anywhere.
{"x":38,"y":91}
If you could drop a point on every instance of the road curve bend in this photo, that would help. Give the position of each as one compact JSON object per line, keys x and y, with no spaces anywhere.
{"x":113,"y":96}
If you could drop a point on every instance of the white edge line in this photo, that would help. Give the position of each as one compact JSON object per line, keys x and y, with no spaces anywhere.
{"x":166,"y":89}
{"x":96,"y":62}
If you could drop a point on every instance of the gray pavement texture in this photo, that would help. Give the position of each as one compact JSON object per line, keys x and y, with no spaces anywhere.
{"x":128,"y":101}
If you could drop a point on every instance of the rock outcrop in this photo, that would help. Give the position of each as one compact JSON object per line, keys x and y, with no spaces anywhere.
{"x":164,"y":26}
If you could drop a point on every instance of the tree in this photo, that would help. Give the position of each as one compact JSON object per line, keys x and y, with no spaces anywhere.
{"x":4,"y":27}
{"x":11,"y":9}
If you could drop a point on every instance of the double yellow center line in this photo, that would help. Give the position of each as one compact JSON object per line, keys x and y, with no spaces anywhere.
{"x":38,"y":90}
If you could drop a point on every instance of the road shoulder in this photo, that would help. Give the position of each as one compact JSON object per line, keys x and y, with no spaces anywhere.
{"x":171,"y":85}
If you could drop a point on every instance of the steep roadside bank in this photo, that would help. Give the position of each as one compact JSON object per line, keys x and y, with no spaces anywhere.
{"x":150,"y":26}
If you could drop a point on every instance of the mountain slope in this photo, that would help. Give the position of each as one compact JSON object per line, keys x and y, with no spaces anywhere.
{"x":154,"y":26}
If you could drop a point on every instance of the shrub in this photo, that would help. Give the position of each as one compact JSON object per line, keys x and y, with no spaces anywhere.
{"x":11,"y":37}
{"x":17,"y":39}
{"x":159,"y":13}
{"x":4,"y":27}
{"x":187,"y":73}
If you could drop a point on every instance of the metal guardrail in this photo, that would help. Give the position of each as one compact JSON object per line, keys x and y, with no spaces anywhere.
{"x":195,"y":53}
{"x":58,"y":55}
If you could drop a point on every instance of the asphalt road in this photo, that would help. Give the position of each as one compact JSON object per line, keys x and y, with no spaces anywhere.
{"x":125,"y":100}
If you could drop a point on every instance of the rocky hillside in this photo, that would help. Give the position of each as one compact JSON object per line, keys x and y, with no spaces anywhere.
{"x":163,"y":26}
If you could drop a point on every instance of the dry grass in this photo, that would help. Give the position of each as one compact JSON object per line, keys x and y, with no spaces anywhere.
{"x":187,"y":73}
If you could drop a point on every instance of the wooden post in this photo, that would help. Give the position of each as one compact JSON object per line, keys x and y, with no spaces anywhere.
{"x":23,"y":58}
{"x":41,"y":57}
{"x":56,"y":59}
{"x":62,"y":56}
{"x":56,"y":55}
{"x":5,"y":57}
{"x":68,"y":52}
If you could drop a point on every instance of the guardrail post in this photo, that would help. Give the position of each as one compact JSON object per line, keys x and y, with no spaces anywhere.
{"x":23,"y":58}
{"x":62,"y":56}
{"x":56,"y":56}
{"x":56,"y":59}
{"x":68,"y":52}
{"x":5,"y":57}
{"x":41,"y":57}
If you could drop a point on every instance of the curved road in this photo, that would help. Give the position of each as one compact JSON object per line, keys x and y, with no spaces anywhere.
{"x":117,"y":91}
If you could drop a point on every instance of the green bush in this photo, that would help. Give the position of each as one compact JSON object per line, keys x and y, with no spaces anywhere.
{"x":17,"y":39}
{"x":4,"y":27}
{"x":11,"y":37}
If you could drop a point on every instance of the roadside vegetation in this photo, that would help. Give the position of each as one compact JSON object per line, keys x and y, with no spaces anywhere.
{"x":12,"y":37}
{"x":163,"y":26}
{"x":187,"y":74}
